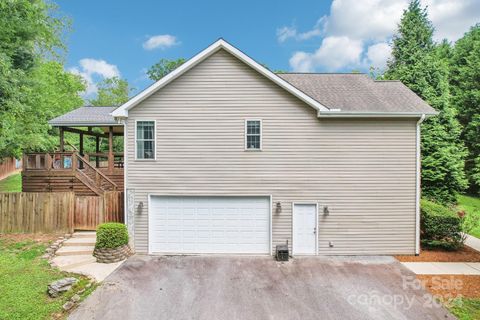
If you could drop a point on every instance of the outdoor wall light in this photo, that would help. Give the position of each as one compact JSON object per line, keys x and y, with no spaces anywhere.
{"x":326,"y":212}
{"x":140,"y":207}
{"x":278,"y":208}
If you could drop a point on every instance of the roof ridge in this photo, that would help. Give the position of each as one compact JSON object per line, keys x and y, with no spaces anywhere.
{"x":90,"y":106}
{"x":327,"y":73}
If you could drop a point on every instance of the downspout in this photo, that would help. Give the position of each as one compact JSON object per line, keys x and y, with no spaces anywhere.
{"x":417,"y":184}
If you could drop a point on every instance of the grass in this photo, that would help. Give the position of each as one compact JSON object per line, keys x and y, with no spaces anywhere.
{"x":24,"y":277}
{"x":471,"y":205}
{"x":466,"y":309}
{"x":11,"y":184}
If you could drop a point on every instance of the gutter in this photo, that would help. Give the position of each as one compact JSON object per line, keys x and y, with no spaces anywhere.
{"x":417,"y":184}
{"x":337,"y":114}
{"x":87,"y":124}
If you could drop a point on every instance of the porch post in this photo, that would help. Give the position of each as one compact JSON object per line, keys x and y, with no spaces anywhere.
{"x":110,"y":149}
{"x":81,"y":149}
{"x":81,"y":144}
{"x":97,"y":150}
{"x":62,"y":147}
{"x":62,"y":143}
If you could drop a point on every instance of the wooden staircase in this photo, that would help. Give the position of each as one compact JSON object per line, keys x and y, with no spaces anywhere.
{"x":91,"y":177}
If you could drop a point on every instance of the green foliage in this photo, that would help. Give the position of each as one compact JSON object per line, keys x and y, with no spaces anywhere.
{"x":465,"y":84}
{"x":163,"y":67}
{"x":471,"y":207}
{"x":24,"y":277}
{"x":112,"y":92}
{"x":440,"y":227}
{"x":423,"y":67}
{"x":52,"y":92}
{"x":11,"y":184}
{"x":32,"y":87}
{"x":111,"y":235}
{"x":466,"y":309}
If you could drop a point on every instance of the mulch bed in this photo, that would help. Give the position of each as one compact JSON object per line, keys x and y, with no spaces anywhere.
{"x":40,"y":237}
{"x":466,"y":254}
{"x":451,"y":286}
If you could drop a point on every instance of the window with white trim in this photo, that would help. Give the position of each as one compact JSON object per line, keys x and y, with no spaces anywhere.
{"x":253,"y":134}
{"x":145,"y":140}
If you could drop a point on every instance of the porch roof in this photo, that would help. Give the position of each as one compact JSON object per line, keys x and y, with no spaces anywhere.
{"x":85,"y":117}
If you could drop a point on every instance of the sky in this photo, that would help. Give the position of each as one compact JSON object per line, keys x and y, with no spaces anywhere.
{"x":124,"y":38}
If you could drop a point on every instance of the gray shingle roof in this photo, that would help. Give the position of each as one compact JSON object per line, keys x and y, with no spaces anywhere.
{"x":86,"y":116}
{"x":358,"y":93}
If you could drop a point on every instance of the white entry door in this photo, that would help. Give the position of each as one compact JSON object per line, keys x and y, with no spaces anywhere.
{"x":186,"y":224}
{"x":304,"y":229}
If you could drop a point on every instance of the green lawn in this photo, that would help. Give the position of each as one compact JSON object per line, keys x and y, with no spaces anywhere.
{"x":471,"y":205}
{"x":24,"y":277}
{"x":12,"y":183}
{"x":468,"y":309}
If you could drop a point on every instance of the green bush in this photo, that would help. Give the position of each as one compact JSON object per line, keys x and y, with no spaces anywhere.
{"x":441,"y":228}
{"x":111,"y":235}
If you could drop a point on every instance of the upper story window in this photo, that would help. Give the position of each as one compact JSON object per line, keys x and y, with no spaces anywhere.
{"x":253,"y":134}
{"x":145,"y":140}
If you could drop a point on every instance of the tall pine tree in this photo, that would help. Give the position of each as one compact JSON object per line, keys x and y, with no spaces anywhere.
{"x":423,"y":67}
{"x":465,"y":85}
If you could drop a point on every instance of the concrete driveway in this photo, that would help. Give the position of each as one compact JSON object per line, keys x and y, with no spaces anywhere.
{"x":208,"y":287}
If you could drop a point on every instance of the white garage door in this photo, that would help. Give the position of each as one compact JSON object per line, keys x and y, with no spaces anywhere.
{"x":209,"y":225}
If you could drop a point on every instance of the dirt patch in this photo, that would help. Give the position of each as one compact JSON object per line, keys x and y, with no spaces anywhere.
{"x":466,"y":254}
{"x":37,"y":237}
{"x":451,"y":286}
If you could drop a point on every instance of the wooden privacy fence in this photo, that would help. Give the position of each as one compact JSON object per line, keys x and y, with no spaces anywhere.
{"x":90,"y":211}
{"x":36,"y":212}
{"x":48,"y":212}
{"x":7,"y":166}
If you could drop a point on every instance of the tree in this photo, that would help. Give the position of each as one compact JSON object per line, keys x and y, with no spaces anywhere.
{"x":112,"y":92}
{"x":163,"y":67}
{"x":465,"y":84}
{"x":422,"y":66}
{"x":28,"y":34}
{"x":52,"y":92}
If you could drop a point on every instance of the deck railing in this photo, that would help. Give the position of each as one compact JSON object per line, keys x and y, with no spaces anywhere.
{"x":64,"y":160}
{"x":48,"y":161}
{"x":71,"y":163}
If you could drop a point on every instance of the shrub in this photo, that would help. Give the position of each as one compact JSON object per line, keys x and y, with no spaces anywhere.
{"x":111,"y":235}
{"x":441,"y":227}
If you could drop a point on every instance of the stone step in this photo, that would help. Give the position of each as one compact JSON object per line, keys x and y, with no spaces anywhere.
{"x":69,"y":262}
{"x":77,"y":242}
{"x":84,"y":234}
{"x":74,"y":250}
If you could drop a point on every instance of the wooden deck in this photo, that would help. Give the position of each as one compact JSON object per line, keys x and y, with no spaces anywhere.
{"x":70,"y":172}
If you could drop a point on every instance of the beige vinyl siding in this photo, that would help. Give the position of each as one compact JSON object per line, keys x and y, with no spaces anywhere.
{"x":363,"y":170}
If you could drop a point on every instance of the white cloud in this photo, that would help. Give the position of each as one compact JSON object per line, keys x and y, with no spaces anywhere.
{"x":452,"y":18}
{"x":285,"y":33}
{"x":367,"y":19}
{"x":92,"y":69}
{"x":333,"y":54}
{"x":378,"y":54}
{"x":373,"y":23}
{"x":161,"y":41}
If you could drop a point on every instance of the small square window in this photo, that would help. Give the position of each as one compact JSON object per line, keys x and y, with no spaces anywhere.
{"x":253,"y":135}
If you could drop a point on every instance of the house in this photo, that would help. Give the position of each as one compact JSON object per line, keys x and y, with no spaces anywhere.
{"x":224,"y":156}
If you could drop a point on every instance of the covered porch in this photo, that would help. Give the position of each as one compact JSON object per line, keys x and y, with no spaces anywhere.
{"x":89,"y":161}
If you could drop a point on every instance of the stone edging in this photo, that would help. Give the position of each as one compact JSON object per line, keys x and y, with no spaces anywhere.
{"x":112,"y":255}
{"x":52,"y":249}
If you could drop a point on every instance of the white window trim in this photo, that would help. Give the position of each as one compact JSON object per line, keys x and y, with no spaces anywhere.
{"x":154,"y":139}
{"x":261,"y":135}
